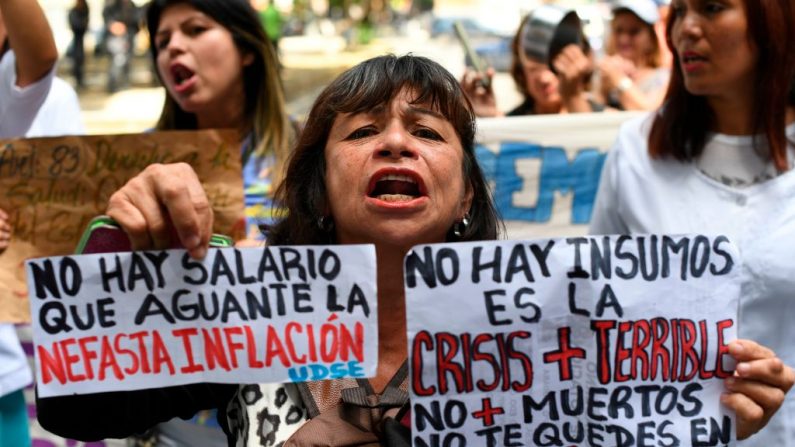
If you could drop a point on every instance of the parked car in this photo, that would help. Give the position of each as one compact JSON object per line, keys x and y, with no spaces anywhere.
{"x":443,"y":26}
{"x":495,"y":54}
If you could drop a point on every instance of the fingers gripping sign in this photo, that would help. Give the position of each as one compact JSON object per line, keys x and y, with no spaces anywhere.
{"x":758,"y":387}
{"x":161,"y":201}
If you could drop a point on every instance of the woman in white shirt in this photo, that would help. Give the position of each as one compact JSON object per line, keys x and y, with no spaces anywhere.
{"x":718,"y":157}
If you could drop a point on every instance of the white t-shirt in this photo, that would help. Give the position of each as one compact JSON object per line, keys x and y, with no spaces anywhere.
{"x":641,"y":195}
{"x":19,"y":106}
{"x":47,"y":107}
{"x":60,"y":113}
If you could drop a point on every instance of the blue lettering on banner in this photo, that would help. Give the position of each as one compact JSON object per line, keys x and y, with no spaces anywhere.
{"x":319,"y":371}
{"x":579,"y":177}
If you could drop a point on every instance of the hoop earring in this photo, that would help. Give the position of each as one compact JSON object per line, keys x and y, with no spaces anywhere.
{"x":325,"y":223}
{"x":460,"y":227}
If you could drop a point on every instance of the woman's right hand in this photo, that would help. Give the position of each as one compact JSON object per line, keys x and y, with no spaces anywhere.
{"x":161,"y":201}
{"x":482,"y":98}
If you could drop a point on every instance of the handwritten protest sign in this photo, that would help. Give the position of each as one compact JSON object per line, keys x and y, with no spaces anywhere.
{"x":129,"y":321}
{"x":618,"y":341}
{"x":52,"y":187}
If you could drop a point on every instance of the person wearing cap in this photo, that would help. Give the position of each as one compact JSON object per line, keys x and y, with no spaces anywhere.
{"x":633,"y":75}
{"x":557,"y":82}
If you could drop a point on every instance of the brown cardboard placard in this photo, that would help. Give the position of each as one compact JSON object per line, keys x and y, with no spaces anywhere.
{"x":52,"y":187}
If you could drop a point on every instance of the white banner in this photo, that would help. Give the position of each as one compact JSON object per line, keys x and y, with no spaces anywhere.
{"x":545,"y":169}
{"x":603,"y":340}
{"x":127,"y":321}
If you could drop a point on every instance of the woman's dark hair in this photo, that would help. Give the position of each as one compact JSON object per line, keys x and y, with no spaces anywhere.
{"x":265,"y":115}
{"x":370,"y":84}
{"x":681,"y":126}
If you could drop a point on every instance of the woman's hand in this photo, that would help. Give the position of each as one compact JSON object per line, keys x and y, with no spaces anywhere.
{"x":482,"y":98}
{"x":572,"y":67}
{"x":5,"y":231}
{"x":758,"y":386}
{"x":613,"y":69}
{"x":161,"y":201}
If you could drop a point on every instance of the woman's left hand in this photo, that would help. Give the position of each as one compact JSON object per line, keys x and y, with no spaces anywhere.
{"x":757,"y":388}
{"x":572,"y":67}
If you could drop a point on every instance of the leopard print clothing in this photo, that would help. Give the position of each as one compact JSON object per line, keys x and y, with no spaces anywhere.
{"x":265,"y":415}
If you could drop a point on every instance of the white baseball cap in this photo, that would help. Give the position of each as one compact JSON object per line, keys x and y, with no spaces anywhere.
{"x":646,"y":10}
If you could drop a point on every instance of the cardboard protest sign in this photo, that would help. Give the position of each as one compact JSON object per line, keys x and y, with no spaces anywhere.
{"x":600,"y":340}
{"x":52,"y":187}
{"x":127,"y":321}
{"x":545,"y":169}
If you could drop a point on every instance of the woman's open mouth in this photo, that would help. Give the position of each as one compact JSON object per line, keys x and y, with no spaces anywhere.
{"x":183,"y":77}
{"x":692,"y":61}
{"x":396,"y":186}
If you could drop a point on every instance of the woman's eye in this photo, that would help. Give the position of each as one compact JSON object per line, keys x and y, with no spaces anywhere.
{"x":428,"y":134}
{"x":161,"y":43}
{"x":196,"y":30}
{"x":713,"y":8}
{"x":362,"y":132}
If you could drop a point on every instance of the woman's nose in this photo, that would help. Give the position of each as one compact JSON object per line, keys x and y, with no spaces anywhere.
{"x":176,"y":43}
{"x":396,"y":142}
{"x":547,"y":76}
{"x":624,"y":39}
{"x":690,"y":25}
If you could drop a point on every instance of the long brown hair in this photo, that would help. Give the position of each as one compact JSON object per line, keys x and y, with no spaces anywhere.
{"x":680,"y":127}
{"x":265,"y":115}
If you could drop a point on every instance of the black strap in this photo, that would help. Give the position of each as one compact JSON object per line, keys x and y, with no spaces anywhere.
{"x":363,"y":395}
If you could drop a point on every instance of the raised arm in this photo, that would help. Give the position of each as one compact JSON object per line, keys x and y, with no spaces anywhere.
{"x":30,"y":37}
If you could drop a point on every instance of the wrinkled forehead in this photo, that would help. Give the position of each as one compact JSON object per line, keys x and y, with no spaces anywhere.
{"x":405,"y":105}
{"x":402,"y":97}
{"x":409,"y":101}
